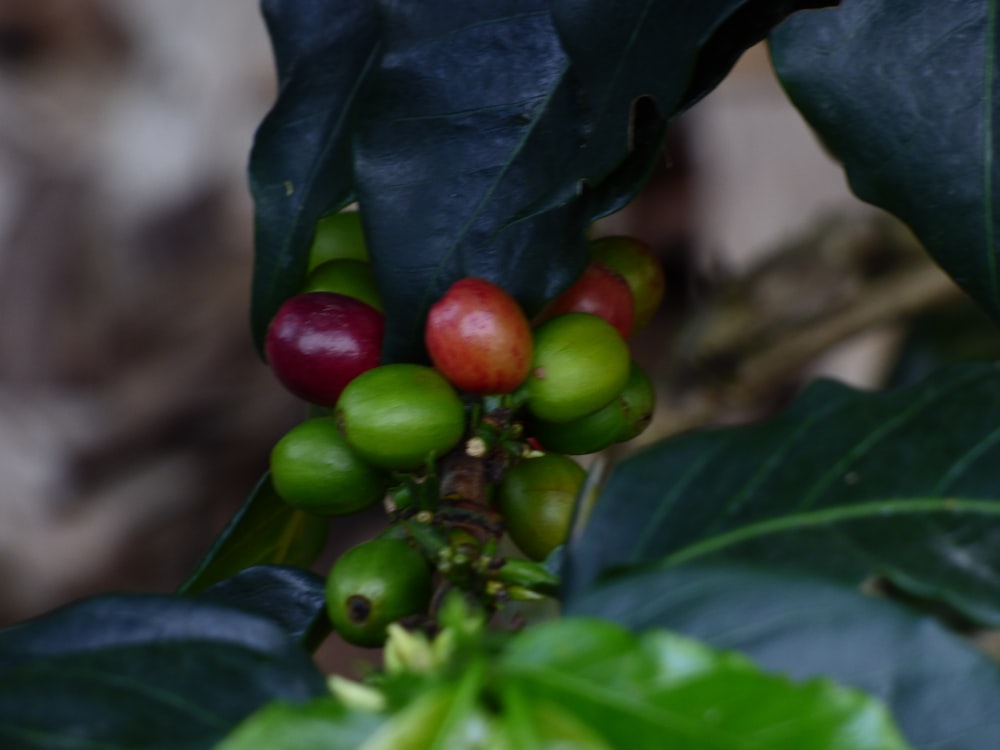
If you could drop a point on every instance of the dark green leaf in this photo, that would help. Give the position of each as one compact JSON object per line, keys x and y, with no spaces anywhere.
{"x":847,"y":483}
{"x":906,"y":95}
{"x":300,"y":165}
{"x":660,"y":690}
{"x":942,"y":691}
{"x":323,"y":723}
{"x":742,"y":27}
{"x":476,"y":137}
{"x":470,"y":121}
{"x":292,"y":597}
{"x":266,"y":530}
{"x":143,"y":671}
{"x":672,"y":52}
{"x":648,"y":133}
{"x":476,"y":152}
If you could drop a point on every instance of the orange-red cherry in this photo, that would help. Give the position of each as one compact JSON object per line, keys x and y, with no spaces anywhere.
{"x":478,"y":338}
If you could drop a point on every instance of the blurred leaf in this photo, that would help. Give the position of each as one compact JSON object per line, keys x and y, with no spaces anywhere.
{"x":143,"y":671}
{"x":292,"y":597}
{"x":300,"y":165}
{"x":941,"y":691}
{"x":905,"y":95}
{"x":432,"y":720}
{"x":323,"y":723}
{"x":588,"y":684}
{"x":661,"y":690}
{"x":528,"y":722}
{"x":441,"y":717}
{"x":845,"y":483}
{"x":265,"y":530}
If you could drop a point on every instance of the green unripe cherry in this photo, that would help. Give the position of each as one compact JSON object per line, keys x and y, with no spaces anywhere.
{"x":401,"y":416}
{"x":536,"y":500}
{"x":347,"y":276}
{"x":624,"y":418}
{"x":636,"y":262}
{"x":338,"y":235}
{"x":375,"y":584}
{"x":638,"y":402}
{"x":580,"y":363}
{"x":314,"y":469}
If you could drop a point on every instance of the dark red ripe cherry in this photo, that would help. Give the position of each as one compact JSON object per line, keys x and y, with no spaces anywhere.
{"x":320,"y":341}
{"x":478,"y":338}
{"x":601,"y":292}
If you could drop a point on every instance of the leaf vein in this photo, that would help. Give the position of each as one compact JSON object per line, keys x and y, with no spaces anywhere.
{"x":663,"y":509}
{"x":830,"y":515}
{"x":772,"y":462}
{"x":885,"y":429}
{"x":960,"y":464}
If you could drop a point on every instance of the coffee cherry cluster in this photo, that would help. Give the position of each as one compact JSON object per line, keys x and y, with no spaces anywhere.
{"x":463,"y":451}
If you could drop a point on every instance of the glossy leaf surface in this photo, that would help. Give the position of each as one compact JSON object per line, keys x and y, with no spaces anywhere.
{"x":293,"y":597}
{"x":941,"y":690}
{"x":300,"y":165}
{"x":266,"y":530}
{"x":907,"y":97}
{"x":845,"y":483}
{"x":143,"y":671}
{"x":468,"y":122}
{"x":478,"y":147}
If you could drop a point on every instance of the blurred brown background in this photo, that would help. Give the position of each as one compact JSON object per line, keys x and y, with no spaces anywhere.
{"x":134,"y":414}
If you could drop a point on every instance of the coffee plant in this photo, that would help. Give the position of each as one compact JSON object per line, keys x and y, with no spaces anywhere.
{"x":423,"y":187}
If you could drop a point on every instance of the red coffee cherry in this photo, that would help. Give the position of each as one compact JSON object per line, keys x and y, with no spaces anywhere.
{"x":601,"y":292}
{"x":478,"y":338}
{"x":320,"y":341}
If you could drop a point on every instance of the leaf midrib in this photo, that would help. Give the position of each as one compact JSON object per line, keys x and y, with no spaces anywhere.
{"x":831,"y":516}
